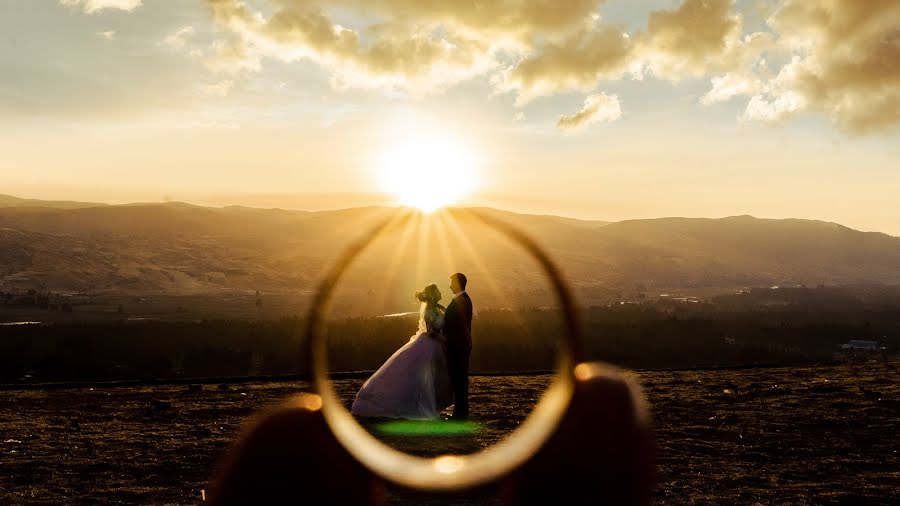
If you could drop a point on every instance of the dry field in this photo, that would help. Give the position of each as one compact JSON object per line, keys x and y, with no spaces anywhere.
{"x":816,"y":435}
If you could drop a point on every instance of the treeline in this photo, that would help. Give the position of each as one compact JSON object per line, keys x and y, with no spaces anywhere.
{"x":33,"y":298}
{"x":700,"y":335}
{"x":687,"y":335}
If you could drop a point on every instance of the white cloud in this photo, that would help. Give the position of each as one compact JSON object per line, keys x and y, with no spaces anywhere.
{"x":107,"y":35}
{"x":836,"y":57}
{"x":392,"y":54}
{"x":688,"y":41}
{"x":230,"y":56}
{"x":181,"y":38}
{"x":598,"y":108}
{"x":843,"y":61}
{"x":92,"y":6}
{"x":576,"y":63}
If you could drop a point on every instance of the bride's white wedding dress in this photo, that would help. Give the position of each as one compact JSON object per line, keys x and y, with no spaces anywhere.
{"x":414,"y":383}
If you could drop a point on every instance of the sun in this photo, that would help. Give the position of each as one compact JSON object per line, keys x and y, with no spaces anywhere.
{"x":428,"y":172}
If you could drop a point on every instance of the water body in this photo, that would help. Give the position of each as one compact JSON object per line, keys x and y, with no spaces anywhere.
{"x":395,"y":315}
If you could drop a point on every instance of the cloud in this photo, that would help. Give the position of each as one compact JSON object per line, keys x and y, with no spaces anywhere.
{"x":576,"y":63}
{"x":229,"y":56}
{"x":774,"y":100}
{"x":745,"y":70}
{"x":92,"y":6}
{"x":485,"y":20}
{"x":599,"y":108}
{"x":843,"y":60}
{"x":729,"y":85}
{"x":107,"y":35}
{"x":685,"y":42}
{"x":850,"y":68}
{"x":391,"y":55}
{"x":835,"y":57}
{"x":689,"y":40}
{"x":180,"y":38}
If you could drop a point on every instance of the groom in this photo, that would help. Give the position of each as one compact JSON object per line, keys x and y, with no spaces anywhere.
{"x":458,"y":333}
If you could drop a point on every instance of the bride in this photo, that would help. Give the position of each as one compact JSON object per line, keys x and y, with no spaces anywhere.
{"x":414,"y":383}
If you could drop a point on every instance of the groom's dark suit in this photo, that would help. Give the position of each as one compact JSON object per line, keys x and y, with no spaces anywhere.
{"x":458,"y":333}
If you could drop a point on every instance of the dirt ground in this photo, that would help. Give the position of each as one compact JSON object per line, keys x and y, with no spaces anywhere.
{"x":806,"y":435}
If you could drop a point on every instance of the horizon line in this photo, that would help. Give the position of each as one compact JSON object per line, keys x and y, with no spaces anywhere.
{"x":90,"y":204}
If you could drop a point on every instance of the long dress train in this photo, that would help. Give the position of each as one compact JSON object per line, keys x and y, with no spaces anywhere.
{"x":413,"y":383}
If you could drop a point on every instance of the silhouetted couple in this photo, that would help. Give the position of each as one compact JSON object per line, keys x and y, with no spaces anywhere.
{"x":431,"y":371}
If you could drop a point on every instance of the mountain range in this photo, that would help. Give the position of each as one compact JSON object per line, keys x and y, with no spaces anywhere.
{"x":180,"y":248}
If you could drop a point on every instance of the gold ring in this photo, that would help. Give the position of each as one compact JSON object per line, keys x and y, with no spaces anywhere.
{"x":447,"y":472}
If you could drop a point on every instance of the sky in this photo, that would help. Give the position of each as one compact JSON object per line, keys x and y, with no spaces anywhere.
{"x":587,"y":108}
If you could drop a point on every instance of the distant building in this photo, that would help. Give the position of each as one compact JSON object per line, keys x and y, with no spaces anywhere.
{"x":858,"y":344}
{"x":858,"y":349}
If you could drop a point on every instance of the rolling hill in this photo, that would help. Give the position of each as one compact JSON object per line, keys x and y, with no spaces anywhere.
{"x":184,"y":249}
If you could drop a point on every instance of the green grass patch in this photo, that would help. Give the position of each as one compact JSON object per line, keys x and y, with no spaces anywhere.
{"x":427,"y":428}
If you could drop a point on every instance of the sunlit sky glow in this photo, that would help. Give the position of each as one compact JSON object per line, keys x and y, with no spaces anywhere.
{"x":428,"y":171}
{"x":595,"y":109}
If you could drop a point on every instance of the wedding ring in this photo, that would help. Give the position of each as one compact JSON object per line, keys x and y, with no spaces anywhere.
{"x":447,"y":472}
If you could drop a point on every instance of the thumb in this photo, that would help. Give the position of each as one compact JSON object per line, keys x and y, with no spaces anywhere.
{"x":603,"y":450}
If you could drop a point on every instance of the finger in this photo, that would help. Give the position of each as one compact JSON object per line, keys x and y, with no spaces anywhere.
{"x":289,"y":456}
{"x":602,"y":452}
